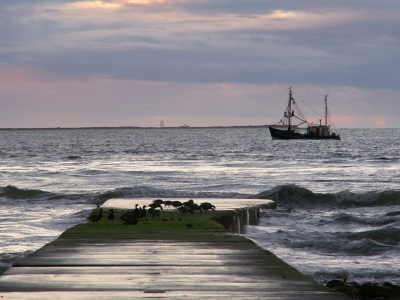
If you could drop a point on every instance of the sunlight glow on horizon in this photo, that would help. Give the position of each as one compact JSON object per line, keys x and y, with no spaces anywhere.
{"x":95,"y":90}
{"x":117,"y":3}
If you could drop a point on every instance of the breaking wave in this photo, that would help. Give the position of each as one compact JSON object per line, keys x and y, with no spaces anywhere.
{"x":376,"y":221}
{"x":13,"y":192}
{"x":353,"y":247}
{"x":289,"y":196}
{"x":292,"y":196}
{"x":151,"y":192}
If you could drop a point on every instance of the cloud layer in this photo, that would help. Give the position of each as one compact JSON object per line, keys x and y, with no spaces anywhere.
{"x":256,"y":48}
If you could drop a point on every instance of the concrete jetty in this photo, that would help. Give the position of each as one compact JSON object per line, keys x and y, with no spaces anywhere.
{"x":175,"y":256}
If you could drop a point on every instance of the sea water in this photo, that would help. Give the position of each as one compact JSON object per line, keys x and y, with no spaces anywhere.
{"x":338,"y":201}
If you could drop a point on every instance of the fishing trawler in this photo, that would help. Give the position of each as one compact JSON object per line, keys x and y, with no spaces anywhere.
{"x":290,"y":126}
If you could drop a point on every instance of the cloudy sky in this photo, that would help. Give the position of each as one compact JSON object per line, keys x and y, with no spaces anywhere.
{"x":73,"y":63}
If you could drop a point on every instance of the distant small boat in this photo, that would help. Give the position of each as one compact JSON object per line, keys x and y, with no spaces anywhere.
{"x":290,"y":129}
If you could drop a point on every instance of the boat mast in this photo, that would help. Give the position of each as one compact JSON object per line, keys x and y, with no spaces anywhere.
{"x":289,"y":109}
{"x":326,"y":111}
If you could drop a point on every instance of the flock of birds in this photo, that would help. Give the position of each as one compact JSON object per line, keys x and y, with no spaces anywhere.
{"x":131,"y":217}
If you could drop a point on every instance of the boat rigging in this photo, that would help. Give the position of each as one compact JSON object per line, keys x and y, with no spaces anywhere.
{"x":289,"y":127}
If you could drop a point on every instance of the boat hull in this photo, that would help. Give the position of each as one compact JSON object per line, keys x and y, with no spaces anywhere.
{"x":291,"y":135}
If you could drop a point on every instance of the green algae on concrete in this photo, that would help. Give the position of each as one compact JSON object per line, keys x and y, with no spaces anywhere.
{"x":171,"y":225}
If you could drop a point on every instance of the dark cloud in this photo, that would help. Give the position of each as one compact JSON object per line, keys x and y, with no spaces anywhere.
{"x":360,"y":52}
{"x":265,"y":6}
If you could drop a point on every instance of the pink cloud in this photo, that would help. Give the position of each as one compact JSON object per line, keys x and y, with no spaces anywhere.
{"x":14,"y":76}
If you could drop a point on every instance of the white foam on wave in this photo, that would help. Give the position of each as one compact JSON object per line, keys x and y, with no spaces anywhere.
{"x":152,"y":192}
{"x":365,"y":247}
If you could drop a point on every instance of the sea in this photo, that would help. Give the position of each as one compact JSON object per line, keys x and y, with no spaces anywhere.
{"x":338,"y":202}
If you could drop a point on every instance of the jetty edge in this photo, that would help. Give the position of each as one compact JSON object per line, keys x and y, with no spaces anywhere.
{"x":175,"y":256}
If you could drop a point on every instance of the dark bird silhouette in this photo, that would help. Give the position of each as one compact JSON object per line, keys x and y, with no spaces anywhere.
{"x":188,"y":203}
{"x":185,"y":209}
{"x":176,"y":204}
{"x":158,"y":201}
{"x":157,"y":213}
{"x":136,"y":212}
{"x":189,"y":225}
{"x":155,"y":205}
{"x":154,"y":212}
{"x":151,"y":212}
{"x":128,"y":217}
{"x":167,"y":203}
{"x":195,"y":206}
{"x":111,"y":215}
{"x":207,"y":206}
{"x":164,"y":219}
{"x":127,"y":220}
{"x":143,"y":212}
{"x":96,"y":217}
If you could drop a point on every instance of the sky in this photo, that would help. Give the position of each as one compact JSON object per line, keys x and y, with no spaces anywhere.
{"x":69,"y":63}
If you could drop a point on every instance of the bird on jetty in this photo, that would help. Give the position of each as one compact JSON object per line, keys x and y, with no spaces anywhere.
{"x":191,"y":206}
{"x":111,"y":215}
{"x":185,"y":209}
{"x":195,"y":206}
{"x":207,"y":206}
{"x":129,"y":217}
{"x":136,"y":212}
{"x":143,"y":212}
{"x":155,"y":205}
{"x":151,"y":211}
{"x":96,"y":217}
{"x":167,"y":203}
{"x":154,"y":212}
{"x":188,"y":203}
{"x":176,"y":204}
{"x":128,"y":220}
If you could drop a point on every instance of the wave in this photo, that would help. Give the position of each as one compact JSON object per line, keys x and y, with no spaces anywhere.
{"x":377,"y":221}
{"x":13,"y":192}
{"x":289,"y":196}
{"x":393,"y":213}
{"x":366,"y":242}
{"x":151,"y":192}
{"x":389,"y":236}
{"x":365,"y":247}
{"x":355,"y":247}
{"x":292,"y":196}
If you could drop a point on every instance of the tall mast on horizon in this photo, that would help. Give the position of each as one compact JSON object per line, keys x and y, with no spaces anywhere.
{"x":326,"y":111}
{"x":289,"y":112}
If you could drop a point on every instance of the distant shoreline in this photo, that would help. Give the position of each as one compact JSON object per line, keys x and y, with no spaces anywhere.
{"x":133,"y":127}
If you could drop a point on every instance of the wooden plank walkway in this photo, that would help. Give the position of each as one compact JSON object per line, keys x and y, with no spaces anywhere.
{"x":93,"y":262}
